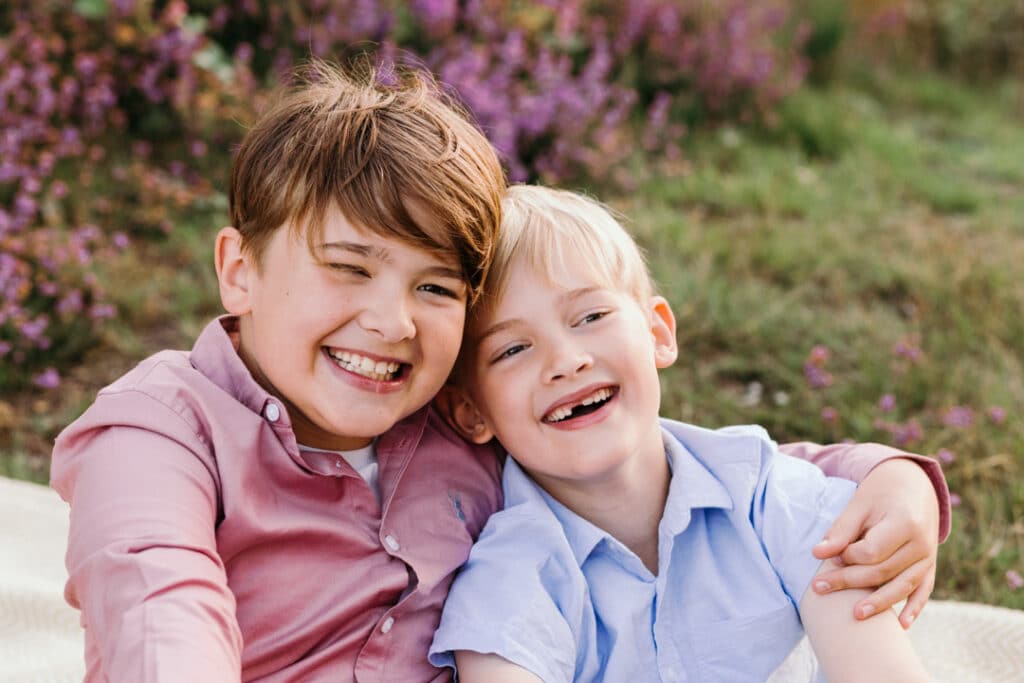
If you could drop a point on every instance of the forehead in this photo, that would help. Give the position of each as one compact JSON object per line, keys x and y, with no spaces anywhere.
{"x":337,"y":232}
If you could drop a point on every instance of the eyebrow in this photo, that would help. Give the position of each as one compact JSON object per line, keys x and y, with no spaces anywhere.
{"x":358,"y":248}
{"x":512,"y":322}
{"x":382,"y":254}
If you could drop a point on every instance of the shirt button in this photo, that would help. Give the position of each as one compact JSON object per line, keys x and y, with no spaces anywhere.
{"x":388,"y":623}
{"x":272,"y":412}
{"x":337,"y":463}
{"x":392,"y":543}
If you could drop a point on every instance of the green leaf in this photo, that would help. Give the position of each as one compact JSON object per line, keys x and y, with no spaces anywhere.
{"x":92,"y":9}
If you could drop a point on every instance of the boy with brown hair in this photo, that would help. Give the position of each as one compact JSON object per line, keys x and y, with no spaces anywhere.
{"x":281,"y":502}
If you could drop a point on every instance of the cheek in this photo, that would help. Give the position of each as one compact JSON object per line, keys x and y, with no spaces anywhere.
{"x":444,"y":327}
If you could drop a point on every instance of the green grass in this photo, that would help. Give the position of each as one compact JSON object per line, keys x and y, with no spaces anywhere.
{"x":883,"y":210}
{"x":864,"y":218}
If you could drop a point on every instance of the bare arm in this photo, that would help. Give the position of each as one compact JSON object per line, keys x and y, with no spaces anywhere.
{"x":476,"y":667}
{"x":876,"y":649}
{"x":889,"y":533}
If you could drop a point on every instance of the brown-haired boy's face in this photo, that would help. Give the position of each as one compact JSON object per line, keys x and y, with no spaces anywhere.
{"x":355,"y":336}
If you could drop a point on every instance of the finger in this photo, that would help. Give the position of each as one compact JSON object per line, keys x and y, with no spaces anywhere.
{"x":917,"y":600}
{"x":846,"y":529}
{"x":892,"y":592}
{"x":879,"y":543}
{"x":866,"y":575}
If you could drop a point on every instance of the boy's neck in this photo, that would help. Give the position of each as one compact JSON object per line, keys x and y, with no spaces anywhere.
{"x":629,"y":506}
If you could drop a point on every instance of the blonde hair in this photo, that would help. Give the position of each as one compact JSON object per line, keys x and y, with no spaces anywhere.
{"x":548,"y":228}
{"x":345,"y":138}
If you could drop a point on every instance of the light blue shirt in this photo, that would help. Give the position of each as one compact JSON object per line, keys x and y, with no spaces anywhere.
{"x":555,"y":594}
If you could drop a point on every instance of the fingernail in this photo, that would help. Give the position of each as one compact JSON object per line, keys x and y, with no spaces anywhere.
{"x":866,"y":611}
{"x":823,"y":541}
{"x":909,"y":620}
{"x":821,"y":587}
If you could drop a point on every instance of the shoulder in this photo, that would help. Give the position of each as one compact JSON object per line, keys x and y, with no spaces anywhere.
{"x":471,"y":472}
{"x":160,"y":403}
{"x":738,"y":456}
{"x":163,"y":393}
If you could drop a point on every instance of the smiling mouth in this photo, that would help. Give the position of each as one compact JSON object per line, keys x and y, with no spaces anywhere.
{"x":376,"y":370}
{"x":583,"y":406}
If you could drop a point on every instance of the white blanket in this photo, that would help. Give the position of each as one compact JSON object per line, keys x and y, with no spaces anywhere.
{"x":41,"y":640}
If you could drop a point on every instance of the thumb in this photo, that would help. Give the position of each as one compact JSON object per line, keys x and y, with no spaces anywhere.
{"x":844,"y":531}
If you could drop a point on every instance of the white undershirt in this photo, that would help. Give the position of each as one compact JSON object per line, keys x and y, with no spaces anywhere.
{"x":363,"y":461}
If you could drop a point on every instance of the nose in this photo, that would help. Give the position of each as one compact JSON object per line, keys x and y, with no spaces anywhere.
{"x":389,"y":316}
{"x":566,"y":362}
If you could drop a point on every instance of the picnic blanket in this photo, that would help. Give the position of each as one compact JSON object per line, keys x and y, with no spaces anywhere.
{"x":41,"y":639}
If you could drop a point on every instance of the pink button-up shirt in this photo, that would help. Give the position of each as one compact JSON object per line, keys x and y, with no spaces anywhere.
{"x":204,"y":547}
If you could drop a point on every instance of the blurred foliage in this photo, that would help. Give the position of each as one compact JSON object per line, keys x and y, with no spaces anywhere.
{"x":840,"y":253}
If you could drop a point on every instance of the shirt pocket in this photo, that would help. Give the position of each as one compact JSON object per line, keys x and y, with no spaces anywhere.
{"x":746,"y":648}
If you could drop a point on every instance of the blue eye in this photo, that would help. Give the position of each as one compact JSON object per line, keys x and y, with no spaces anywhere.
{"x":592,"y":317}
{"x":513,"y":350}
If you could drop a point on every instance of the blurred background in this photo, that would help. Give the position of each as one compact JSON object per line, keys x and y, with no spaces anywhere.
{"x":831,"y":195}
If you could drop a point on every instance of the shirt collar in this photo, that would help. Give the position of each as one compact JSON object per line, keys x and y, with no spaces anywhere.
{"x":215,"y":354}
{"x":693,"y":486}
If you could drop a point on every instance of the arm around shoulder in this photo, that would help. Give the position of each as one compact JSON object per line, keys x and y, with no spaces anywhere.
{"x":142,"y":555}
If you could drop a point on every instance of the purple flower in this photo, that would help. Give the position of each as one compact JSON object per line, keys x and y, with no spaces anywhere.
{"x":946,"y":455}
{"x":100,"y":311}
{"x":887,"y":403}
{"x":997,"y":415}
{"x":829,"y":415}
{"x":908,"y":433}
{"x":816,"y":377}
{"x":1014,"y":580}
{"x":908,"y":348}
{"x":958,"y":416}
{"x":954,"y":500}
{"x":48,"y":379}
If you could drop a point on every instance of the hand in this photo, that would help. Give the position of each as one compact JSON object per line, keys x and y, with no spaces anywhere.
{"x":888,"y":539}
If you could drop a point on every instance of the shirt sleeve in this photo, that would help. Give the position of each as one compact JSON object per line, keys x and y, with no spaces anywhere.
{"x":855,"y":461}
{"x":510,"y":599}
{"x":142,"y":559}
{"x":794,"y":504}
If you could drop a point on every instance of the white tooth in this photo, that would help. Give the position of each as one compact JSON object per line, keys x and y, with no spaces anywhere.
{"x":392,"y":368}
{"x":366,"y":364}
{"x":381,"y":368}
{"x":343,"y":356}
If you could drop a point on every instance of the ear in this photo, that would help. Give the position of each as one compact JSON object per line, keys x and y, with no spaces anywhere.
{"x":461,"y":413}
{"x":663,"y":329}
{"x":233,"y":271}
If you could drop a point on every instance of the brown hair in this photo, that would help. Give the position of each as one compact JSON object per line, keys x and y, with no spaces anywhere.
{"x":346,"y":138}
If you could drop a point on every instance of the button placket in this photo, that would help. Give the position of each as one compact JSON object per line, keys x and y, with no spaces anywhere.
{"x":272,"y":412}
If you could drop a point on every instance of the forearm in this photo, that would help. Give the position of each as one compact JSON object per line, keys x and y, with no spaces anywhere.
{"x":476,"y":667}
{"x":876,"y":649}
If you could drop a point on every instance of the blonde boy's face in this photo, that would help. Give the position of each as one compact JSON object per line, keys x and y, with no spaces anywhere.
{"x":353,"y":341}
{"x":566,"y":375}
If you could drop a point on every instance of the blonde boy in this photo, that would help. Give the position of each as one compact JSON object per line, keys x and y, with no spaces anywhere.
{"x":630,"y":547}
{"x":281,"y":503}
